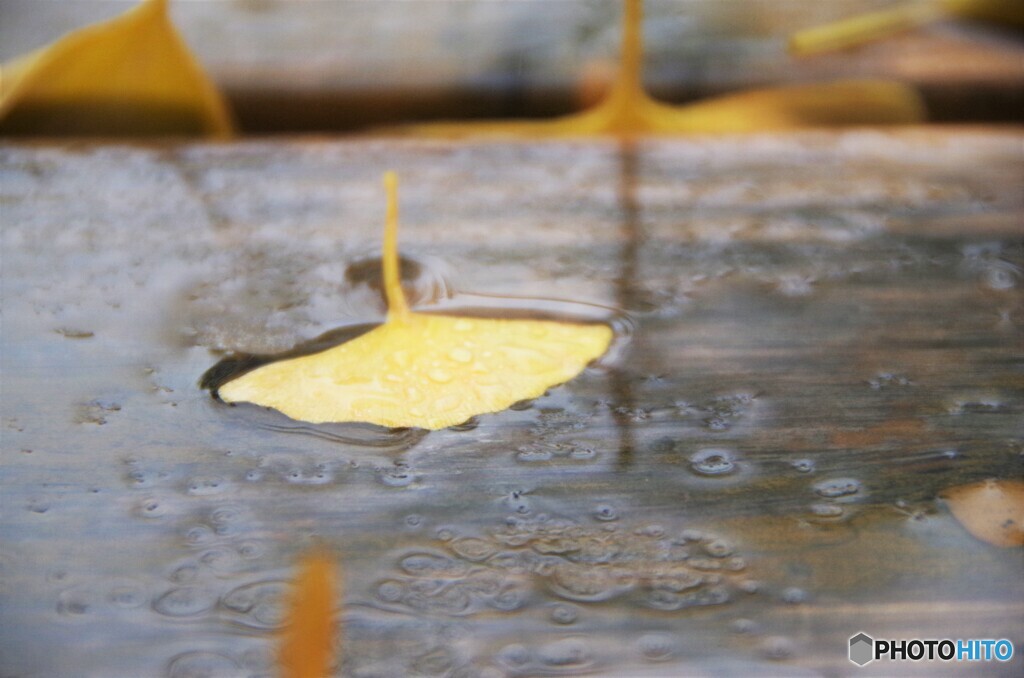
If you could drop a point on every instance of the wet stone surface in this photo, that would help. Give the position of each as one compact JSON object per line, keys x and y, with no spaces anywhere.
{"x":822,"y":334}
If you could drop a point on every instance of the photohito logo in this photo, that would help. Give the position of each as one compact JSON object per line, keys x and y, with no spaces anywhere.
{"x":864,"y":649}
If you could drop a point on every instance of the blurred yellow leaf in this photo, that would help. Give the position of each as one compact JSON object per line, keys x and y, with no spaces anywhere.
{"x":872,"y":26}
{"x":130,"y":76}
{"x":307,"y":647}
{"x":628,"y":110}
{"x":422,"y":370}
{"x":992,"y":510}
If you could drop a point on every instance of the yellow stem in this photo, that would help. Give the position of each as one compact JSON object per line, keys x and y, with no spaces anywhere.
{"x":629,"y":85}
{"x":864,"y":28}
{"x":398,"y":308}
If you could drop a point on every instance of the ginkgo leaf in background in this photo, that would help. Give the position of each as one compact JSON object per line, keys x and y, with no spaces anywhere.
{"x":422,"y":370}
{"x":130,"y":76}
{"x":881,"y":24}
{"x":628,"y":110}
{"x":308,"y":643}
{"x":991,"y":510}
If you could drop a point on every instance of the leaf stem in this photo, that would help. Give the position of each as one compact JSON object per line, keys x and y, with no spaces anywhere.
{"x":398,"y":308}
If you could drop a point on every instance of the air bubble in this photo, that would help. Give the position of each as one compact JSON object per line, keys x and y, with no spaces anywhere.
{"x":718,"y":548}
{"x":713,"y":462}
{"x":827,"y":510}
{"x":565,"y":653}
{"x":396,"y":477}
{"x":514,"y":655}
{"x":473,"y":549}
{"x":794,"y":596}
{"x":656,"y":647}
{"x":390,"y":591}
{"x":564,"y":614}
{"x":837,"y":487}
{"x":777,"y":647}
{"x":185,"y":601}
{"x":803,"y":465}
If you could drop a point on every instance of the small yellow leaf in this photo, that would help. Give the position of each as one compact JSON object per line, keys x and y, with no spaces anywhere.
{"x":132,"y":75}
{"x":307,"y":646}
{"x":628,"y":110}
{"x":423,"y":370}
{"x":992,"y":510}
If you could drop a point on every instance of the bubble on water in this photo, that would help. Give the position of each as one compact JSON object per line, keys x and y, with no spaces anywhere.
{"x":126,"y":596}
{"x":750,"y":586}
{"x":251,"y":549}
{"x":203,"y":664}
{"x":150,"y":507}
{"x":206,"y":486}
{"x":184,"y":601}
{"x":78,"y":600}
{"x":745,"y":626}
{"x":436,"y":662}
{"x":514,"y":656}
{"x":419,"y":564}
{"x":827,"y":510}
{"x":198,"y":535}
{"x":718,"y":548}
{"x":391,"y":591}
{"x":837,"y":487}
{"x":690,"y":535}
{"x":509,"y":598}
{"x":1002,"y":275}
{"x":656,"y":647}
{"x":794,"y":596}
{"x":533,"y":453}
{"x":605,"y":513}
{"x":258,"y":604}
{"x":222,"y":560}
{"x":473,"y":549}
{"x":803,"y":465}
{"x":183,"y":573}
{"x":566,"y":653}
{"x":37,"y":506}
{"x":713,"y":462}
{"x":777,"y":648}
{"x":561,"y":613}
{"x":588,"y":584}
{"x":396,"y":476}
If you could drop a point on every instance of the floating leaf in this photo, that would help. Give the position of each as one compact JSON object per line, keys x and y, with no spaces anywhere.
{"x":422,"y":370}
{"x":992,"y":510}
{"x":132,"y":75}
{"x":307,"y":646}
{"x":628,"y":109}
{"x":872,"y":26}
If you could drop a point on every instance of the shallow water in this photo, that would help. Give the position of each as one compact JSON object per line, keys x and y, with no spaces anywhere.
{"x":824,"y":332}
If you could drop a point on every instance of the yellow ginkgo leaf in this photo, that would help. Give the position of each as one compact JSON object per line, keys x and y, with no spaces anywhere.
{"x":130,"y":76}
{"x":307,"y":646}
{"x":422,"y":370}
{"x":872,"y":26}
{"x":628,"y":110}
{"x":992,"y":510}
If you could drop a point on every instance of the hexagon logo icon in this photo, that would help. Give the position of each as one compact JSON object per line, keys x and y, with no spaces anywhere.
{"x":862,"y":649}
